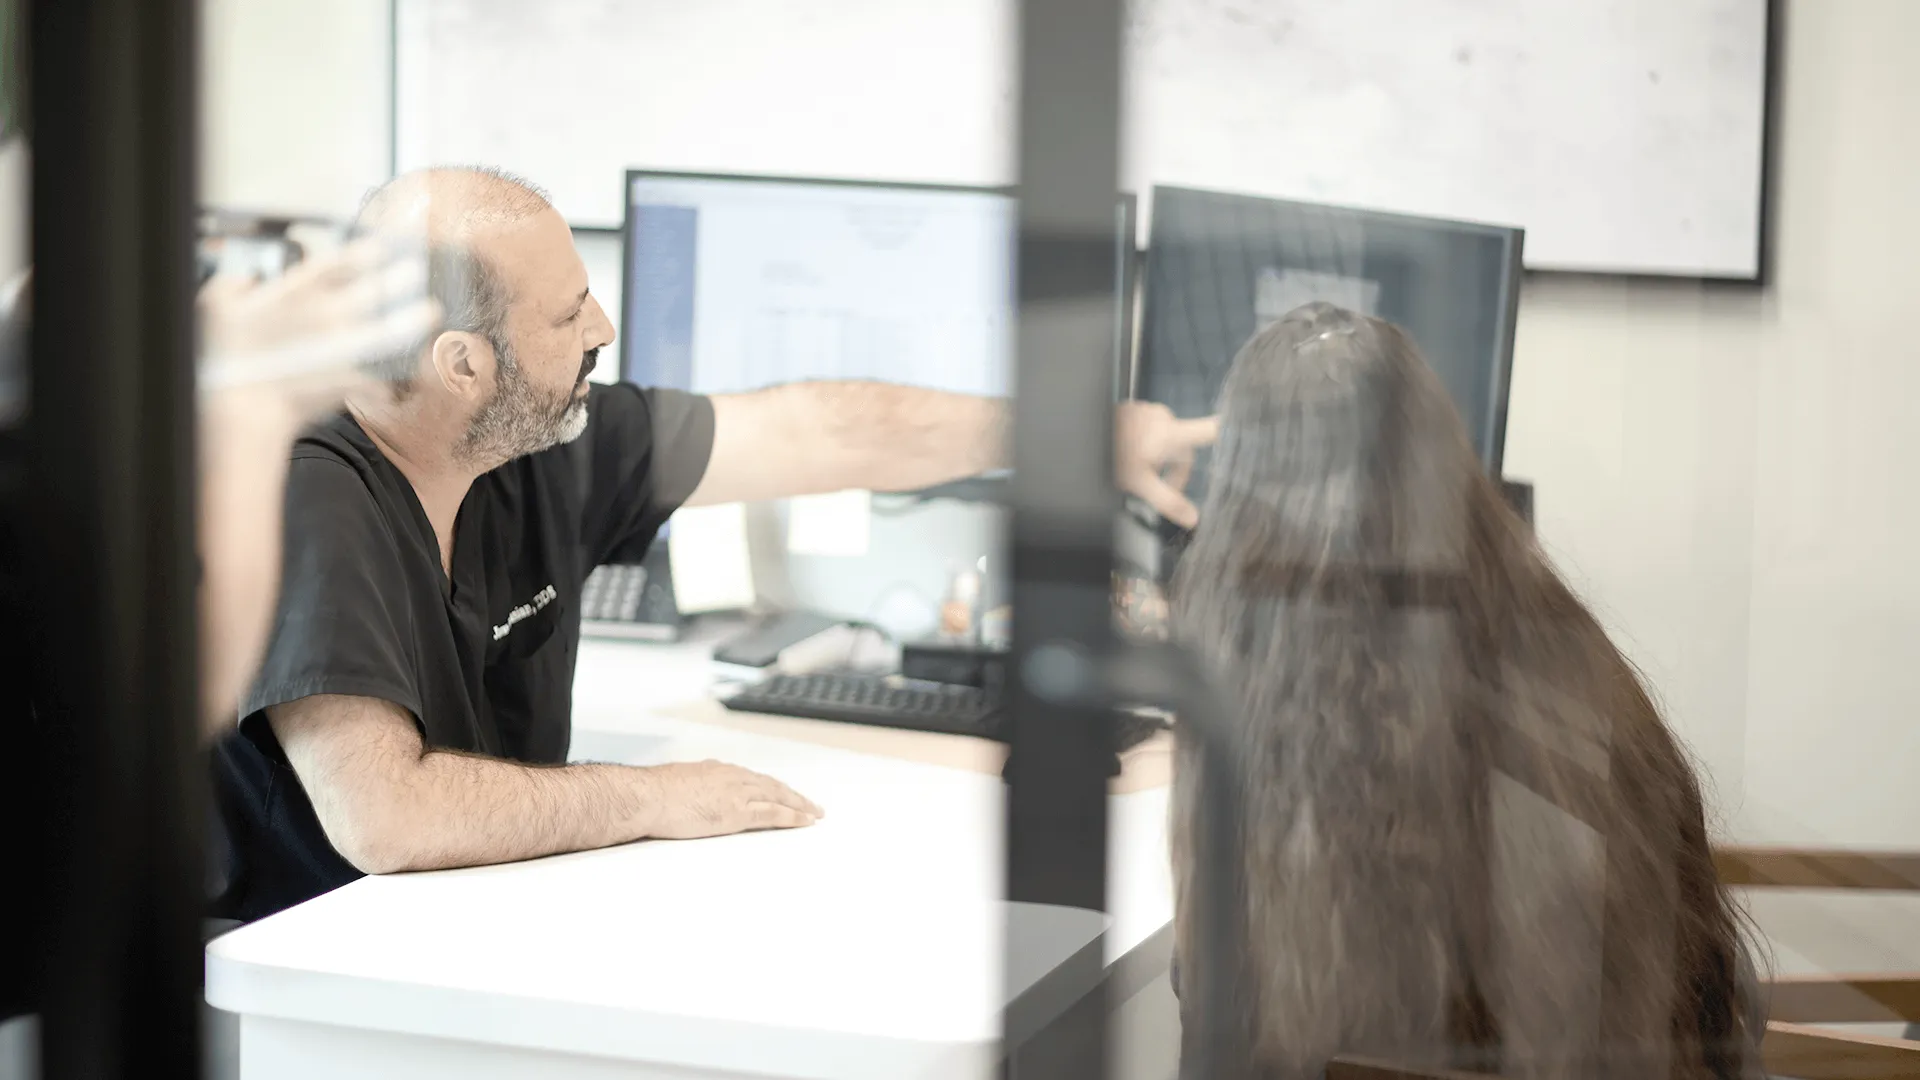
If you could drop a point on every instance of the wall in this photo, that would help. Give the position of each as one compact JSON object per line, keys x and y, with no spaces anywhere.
{"x":1632,"y":411}
{"x":1725,"y":473}
{"x":295,"y":101}
{"x":1833,"y":702}
{"x":295,"y":110}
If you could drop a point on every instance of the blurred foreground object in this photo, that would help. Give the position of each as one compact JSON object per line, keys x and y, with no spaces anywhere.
{"x":275,"y":355}
{"x":319,"y":327}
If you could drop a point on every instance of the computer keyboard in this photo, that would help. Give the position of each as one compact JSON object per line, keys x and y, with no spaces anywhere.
{"x":874,"y":700}
{"x":911,"y":704}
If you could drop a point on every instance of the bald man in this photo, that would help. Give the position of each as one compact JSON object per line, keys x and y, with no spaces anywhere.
{"x":413,"y":711}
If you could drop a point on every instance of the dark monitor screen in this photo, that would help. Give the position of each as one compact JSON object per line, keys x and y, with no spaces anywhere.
{"x":1220,"y":267}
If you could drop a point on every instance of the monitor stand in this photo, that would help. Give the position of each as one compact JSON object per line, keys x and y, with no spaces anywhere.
{"x":1519,"y":495}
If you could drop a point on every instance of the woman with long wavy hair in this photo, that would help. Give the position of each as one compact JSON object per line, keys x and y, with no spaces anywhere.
{"x":1468,"y":837}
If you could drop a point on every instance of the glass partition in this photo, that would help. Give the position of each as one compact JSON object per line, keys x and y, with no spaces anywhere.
{"x":870,"y":540}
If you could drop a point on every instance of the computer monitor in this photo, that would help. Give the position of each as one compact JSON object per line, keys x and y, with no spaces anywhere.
{"x":1219,"y":267}
{"x":735,"y":283}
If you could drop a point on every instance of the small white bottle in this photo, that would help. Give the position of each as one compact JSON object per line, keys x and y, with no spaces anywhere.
{"x":960,"y":612}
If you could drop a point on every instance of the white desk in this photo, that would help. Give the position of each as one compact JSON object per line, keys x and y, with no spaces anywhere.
{"x":867,"y":946}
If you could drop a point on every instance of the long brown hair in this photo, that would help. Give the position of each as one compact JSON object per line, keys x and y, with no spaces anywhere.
{"x":1469,"y":838}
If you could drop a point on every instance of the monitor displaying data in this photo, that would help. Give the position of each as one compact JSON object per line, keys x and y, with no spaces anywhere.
{"x":736,"y":283}
{"x":1221,"y":267}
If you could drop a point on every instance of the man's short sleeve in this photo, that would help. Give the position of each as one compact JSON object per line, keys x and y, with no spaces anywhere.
{"x":648,"y":450}
{"x":343,"y":625}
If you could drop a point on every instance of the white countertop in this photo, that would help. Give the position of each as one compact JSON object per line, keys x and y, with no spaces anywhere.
{"x":869,"y":945}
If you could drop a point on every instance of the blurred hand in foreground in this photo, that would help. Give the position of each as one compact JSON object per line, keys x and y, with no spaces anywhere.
{"x":275,"y":355}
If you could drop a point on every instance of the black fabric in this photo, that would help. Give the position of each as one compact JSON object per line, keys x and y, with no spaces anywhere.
{"x":20,"y":768}
{"x":22,"y":802}
{"x":484,"y":662}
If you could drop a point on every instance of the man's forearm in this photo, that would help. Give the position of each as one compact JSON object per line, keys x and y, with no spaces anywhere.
{"x":462,"y":810}
{"x":389,"y":804}
{"x":902,"y":438}
{"x":808,"y":438}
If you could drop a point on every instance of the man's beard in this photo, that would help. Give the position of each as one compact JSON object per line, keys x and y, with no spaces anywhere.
{"x":521,"y":419}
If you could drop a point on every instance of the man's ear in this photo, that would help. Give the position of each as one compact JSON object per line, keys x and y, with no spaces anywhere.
{"x":464,"y":362}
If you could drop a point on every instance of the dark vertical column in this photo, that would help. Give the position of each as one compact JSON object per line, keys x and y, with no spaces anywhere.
{"x":110,"y":483}
{"x":1064,"y":502}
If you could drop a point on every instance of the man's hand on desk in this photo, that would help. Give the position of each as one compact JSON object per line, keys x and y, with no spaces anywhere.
{"x":389,"y":803}
{"x":710,"y":798}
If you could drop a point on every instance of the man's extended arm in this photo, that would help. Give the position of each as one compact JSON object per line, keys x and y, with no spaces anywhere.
{"x":814,"y":437}
{"x":389,"y":804}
